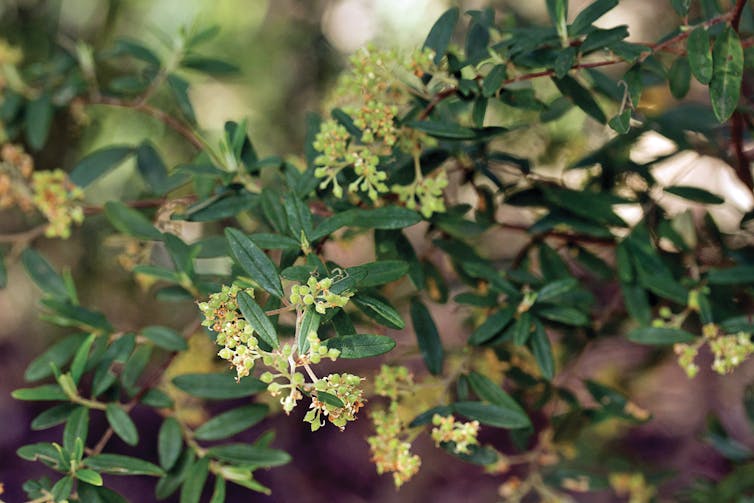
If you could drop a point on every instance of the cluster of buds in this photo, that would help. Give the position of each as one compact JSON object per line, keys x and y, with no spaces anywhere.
{"x":425,"y":194}
{"x":59,"y":201}
{"x":234,"y":333}
{"x":461,"y":434}
{"x":632,"y":486}
{"x":317,"y":293}
{"x":391,"y":381}
{"x":391,"y":453}
{"x":729,"y":350}
{"x":346,"y":387}
{"x":50,"y":192}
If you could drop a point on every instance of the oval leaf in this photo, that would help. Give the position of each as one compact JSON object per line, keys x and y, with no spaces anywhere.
{"x":361,"y":345}
{"x":727,"y":72}
{"x":117,"y":464}
{"x":229,"y":423}
{"x":218,"y":386}
{"x":122,"y":424}
{"x":492,"y":415}
{"x":658,"y":336}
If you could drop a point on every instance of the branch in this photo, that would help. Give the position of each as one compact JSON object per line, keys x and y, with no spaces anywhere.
{"x":23,"y":236}
{"x":568,"y":236}
{"x":167,"y":119}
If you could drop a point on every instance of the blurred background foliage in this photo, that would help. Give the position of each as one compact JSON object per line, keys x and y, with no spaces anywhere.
{"x":289,"y":53}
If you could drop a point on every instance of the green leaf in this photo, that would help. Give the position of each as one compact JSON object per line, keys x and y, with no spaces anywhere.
{"x":38,"y":119}
{"x":157,"y":399}
{"x":246,"y":454}
{"x":556,"y":289}
{"x":79,"y":360}
{"x":681,"y":6}
{"x":229,"y":423}
{"x":43,"y":275}
{"x":736,"y":275}
{"x":492,"y":326}
{"x":679,"y":77}
{"x":558,"y":11}
{"x":694,"y":194}
{"x":98,"y":163}
{"x":563,"y":314}
{"x":257,"y":319}
{"x":637,"y":303}
{"x":275,"y":242}
{"x":53,"y":416}
{"x":565,"y":61}
{"x":56,"y":356}
{"x":309,"y":323}
{"x":194,"y":482}
{"x":117,"y":464}
{"x":169,"y":443}
{"x":129,"y":221}
{"x":41,"y":451}
{"x":254,"y":261}
{"x":727,"y":72}
{"x":427,"y":336}
{"x":210,"y":66}
{"x":493,"y":81}
{"x":581,"y":97}
{"x":218,"y":493}
{"x":621,"y":123}
{"x":542,"y":350}
{"x":218,"y":386}
{"x":299,"y":217}
{"x":165,"y":337}
{"x":179,"y":88}
{"x":77,"y":427}
{"x":589,"y":15}
{"x":390,"y":217}
{"x":62,"y":489}
{"x":700,"y":55}
{"x":492,"y":393}
{"x":378,"y":273}
{"x":330,"y":399}
{"x":45,"y":392}
{"x":135,"y":49}
{"x":439,"y":36}
{"x":493,"y":415}
{"x":151,"y":167}
{"x":172,"y":481}
{"x":450,"y":131}
{"x":658,"y":336}
{"x":361,"y":345}
{"x":134,"y":367}
{"x":522,"y":328}
{"x":379,"y":310}
{"x":122,"y":424}
{"x":89,"y":476}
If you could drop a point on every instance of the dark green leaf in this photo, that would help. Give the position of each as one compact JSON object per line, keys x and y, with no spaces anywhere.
{"x":179,"y":88}
{"x":330,"y":399}
{"x":299,"y":217}
{"x":77,"y":427}
{"x":89,"y":476}
{"x":118,"y":464}
{"x":427,"y":336}
{"x":556,"y":289}
{"x":229,"y":423}
{"x":247,"y":454}
{"x":700,"y":55}
{"x":131,"y":222}
{"x":582,"y":98}
{"x":209,"y":65}
{"x":659,"y":335}
{"x":694,"y":194}
{"x":727,"y":72}
{"x":542,"y":350}
{"x":493,"y":81}
{"x":441,"y":32}
{"x":736,"y":275}
{"x":361,"y":345}
{"x":378,"y":273}
{"x":165,"y":337}
{"x":122,"y":424}
{"x":152,"y":169}
{"x":379,"y":310}
{"x":157,"y":398}
{"x":43,"y":275}
{"x":39,"y":113}
{"x":492,"y":326}
{"x":257,"y":319}
{"x":681,"y":6}
{"x":196,"y":477}
{"x":134,"y":367}
{"x":621,"y":123}
{"x":57,"y":355}
{"x":492,"y":393}
{"x":169,"y":442}
{"x":589,"y":15}
{"x":522,"y":328}
{"x":637,"y":303}
{"x":53,"y":416}
{"x":563,"y":314}
{"x":449,"y":131}
{"x":390,"y":217}
{"x":254,"y":261}
{"x":79,"y":360}
{"x":679,"y":77}
{"x":62,"y":489}
{"x":172,"y":481}
{"x":218,"y":493}
{"x":493,"y":415}
{"x":135,"y":49}
{"x":218,"y":386}
{"x":275,"y":242}
{"x":565,"y":60}
{"x":98,"y":163}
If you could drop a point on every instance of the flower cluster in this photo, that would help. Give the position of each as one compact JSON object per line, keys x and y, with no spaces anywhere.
{"x":633,"y":486}
{"x":390,"y":452}
{"x":317,"y":293}
{"x":390,"y":447}
{"x":345,"y":387}
{"x":447,"y":429}
{"x":729,"y":350}
{"x":50,"y":192}
{"x":425,"y":194}
{"x":58,"y":200}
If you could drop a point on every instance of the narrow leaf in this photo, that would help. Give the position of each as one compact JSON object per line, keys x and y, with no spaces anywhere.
{"x":427,"y":336}
{"x":98,"y":163}
{"x":257,"y":319}
{"x":122,"y":424}
{"x":254,"y":261}
{"x":361,"y":345}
